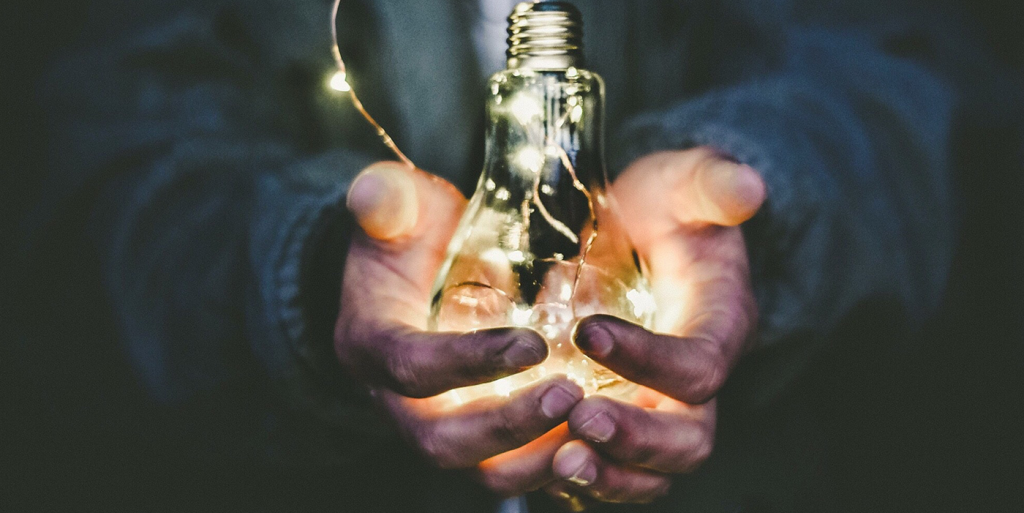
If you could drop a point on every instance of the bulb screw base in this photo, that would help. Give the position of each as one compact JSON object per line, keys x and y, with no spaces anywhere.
{"x":545,"y":36}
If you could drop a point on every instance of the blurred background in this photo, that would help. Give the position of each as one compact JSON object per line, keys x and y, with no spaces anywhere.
{"x":937,"y":430}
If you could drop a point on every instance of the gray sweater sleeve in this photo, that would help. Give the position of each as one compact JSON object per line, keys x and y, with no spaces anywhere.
{"x":217,"y":226}
{"x":854,"y":144}
{"x":220,"y":225}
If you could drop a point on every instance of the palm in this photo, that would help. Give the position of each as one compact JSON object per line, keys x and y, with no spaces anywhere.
{"x":682,"y":210}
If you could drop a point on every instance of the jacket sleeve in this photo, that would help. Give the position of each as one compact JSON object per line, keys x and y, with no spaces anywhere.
{"x":218,"y":217}
{"x":852,"y":135}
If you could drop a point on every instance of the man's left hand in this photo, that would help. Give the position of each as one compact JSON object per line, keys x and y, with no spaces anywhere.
{"x":683,"y":209}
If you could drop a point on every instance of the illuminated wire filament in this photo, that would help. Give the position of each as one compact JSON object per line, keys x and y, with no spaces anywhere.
{"x":339,"y":82}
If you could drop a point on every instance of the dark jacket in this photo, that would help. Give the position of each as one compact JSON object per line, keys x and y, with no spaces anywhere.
{"x":207,"y":161}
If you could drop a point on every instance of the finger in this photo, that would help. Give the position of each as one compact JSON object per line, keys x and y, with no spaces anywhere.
{"x":664,"y":441}
{"x":579,"y":464}
{"x":463,"y":436}
{"x":690,"y":369}
{"x":702,"y":280}
{"x":722,"y":192}
{"x":697,"y":186}
{"x":391,"y":200}
{"x":383,"y":200}
{"x":416,"y":363}
{"x":389,"y":270}
{"x":524,"y":469}
{"x":386,"y":293}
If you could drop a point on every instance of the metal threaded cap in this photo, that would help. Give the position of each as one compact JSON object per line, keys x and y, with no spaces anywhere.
{"x":545,"y":36}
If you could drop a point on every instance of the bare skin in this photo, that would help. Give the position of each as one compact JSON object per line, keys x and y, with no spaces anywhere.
{"x":683,"y":209}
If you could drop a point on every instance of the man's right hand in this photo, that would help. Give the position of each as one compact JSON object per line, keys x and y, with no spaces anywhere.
{"x":407,"y":217}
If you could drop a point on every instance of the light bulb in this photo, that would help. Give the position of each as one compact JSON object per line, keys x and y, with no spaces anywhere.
{"x":541,"y":245}
{"x":339,"y":82}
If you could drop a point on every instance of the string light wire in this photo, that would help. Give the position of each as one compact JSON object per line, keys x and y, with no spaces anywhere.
{"x":549,"y":144}
{"x":343,"y":85}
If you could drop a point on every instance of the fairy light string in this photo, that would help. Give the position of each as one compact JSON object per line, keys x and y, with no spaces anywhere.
{"x":340,"y":82}
{"x":566,"y":161}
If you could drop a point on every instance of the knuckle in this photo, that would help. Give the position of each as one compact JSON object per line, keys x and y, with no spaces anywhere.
{"x":633,"y":450}
{"x":589,"y":408}
{"x":657,"y":493}
{"x":511,"y":429}
{"x":710,"y":378}
{"x":402,"y":373}
{"x":690,"y":448}
{"x":703,"y":451}
{"x":436,"y":448}
{"x":629,"y":446}
{"x":500,"y":483}
{"x":627,"y":452}
{"x":617,"y":493}
{"x":699,"y":453}
{"x":483,"y":357}
{"x":646,"y":361}
{"x":359,"y":359}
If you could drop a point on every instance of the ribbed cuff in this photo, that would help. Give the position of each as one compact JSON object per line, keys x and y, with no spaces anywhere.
{"x":298,"y":247}
{"x":754,"y":124}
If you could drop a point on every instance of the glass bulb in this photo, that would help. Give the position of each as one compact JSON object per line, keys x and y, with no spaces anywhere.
{"x":541,"y":245}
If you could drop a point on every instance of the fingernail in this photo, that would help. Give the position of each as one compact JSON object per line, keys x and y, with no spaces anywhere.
{"x":595,"y":340}
{"x":736,"y":191}
{"x":584,"y":471}
{"x":523,"y":353}
{"x":749,"y":187}
{"x":557,"y":402}
{"x":365,"y":193}
{"x":383,"y":200}
{"x":600,"y":428}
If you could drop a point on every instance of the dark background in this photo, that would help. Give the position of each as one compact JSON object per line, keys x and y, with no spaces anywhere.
{"x":938,"y":429}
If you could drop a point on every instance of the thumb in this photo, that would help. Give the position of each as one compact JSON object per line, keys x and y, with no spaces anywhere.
{"x":692,"y":187}
{"x":723,"y":192}
{"x":383,"y":200}
{"x":408,"y":217}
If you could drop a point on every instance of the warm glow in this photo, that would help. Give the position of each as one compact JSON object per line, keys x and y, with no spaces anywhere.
{"x":530,"y":159}
{"x":576,"y":114}
{"x":503,"y":388}
{"x":566,"y":293}
{"x":521,"y":316}
{"x":339,"y":82}
{"x":643,"y":302}
{"x":526,"y":108}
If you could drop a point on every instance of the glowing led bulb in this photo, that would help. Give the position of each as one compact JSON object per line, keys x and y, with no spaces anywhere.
{"x":576,"y":114}
{"x":530,"y":159}
{"x":339,"y":82}
{"x":643,"y":302}
{"x":526,"y":108}
{"x":521,"y":316}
